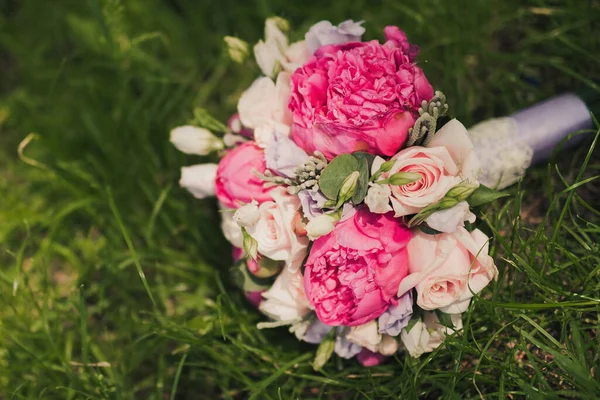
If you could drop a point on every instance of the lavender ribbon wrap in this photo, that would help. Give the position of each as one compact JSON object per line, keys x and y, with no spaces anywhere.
{"x":508,"y":146}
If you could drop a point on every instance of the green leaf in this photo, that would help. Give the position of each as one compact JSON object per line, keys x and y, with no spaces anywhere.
{"x":245,"y":280}
{"x":444,"y":318}
{"x":324,"y":351}
{"x":202,"y":118}
{"x":484,"y":194}
{"x":364,"y":165}
{"x":335,"y":173}
{"x":427,"y":230}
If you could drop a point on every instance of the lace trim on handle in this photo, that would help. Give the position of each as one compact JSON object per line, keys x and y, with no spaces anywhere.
{"x":504,"y":156}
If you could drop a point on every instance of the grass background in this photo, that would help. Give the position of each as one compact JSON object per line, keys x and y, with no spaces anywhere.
{"x":113,"y":280}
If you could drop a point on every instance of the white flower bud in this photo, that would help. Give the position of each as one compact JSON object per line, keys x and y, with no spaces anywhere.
{"x":231,"y":140}
{"x":378,"y":199}
{"x":199,"y":179}
{"x":193,"y":140}
{"x":320,"y":226}
{"x":248,"y":215}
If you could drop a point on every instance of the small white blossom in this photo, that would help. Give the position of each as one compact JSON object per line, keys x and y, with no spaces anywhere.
{"x":378,"y":199}
{"x":247,"y":215}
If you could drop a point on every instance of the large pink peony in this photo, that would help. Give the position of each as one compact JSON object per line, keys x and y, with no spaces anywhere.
{"x":358,"y":96}
{"x":352,"y":274}
{"x":236,"y":185}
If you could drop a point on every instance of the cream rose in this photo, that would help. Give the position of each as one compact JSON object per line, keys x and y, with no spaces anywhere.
{"x":275,"y":230}
{"x":448,"y":269}
{"x":231,"y":230}
{"x":368,"y":336}
{"x":448,"y":160}
{"x":263,"y":107}
{"x":286,"y":300}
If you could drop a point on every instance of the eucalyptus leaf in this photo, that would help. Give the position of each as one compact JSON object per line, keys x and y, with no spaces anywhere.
{"x":483,"y":195}
{"x":364,"y":165}
{"x":335,"y":173}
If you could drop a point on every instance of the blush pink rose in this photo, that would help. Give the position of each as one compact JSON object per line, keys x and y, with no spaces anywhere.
{"x":358,"y":96}
{"x":447,"y":269}
{"x":447,"y":160}
{"x":439,"y":173}
{"x":353,"y":273}
{"x":236,"y":185}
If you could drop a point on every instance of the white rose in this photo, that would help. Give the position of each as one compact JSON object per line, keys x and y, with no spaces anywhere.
{"x":199,"y":179}
{"x":320,"y":225}
{"x":275,"y":230}
{"x":264,"y":107}
{"x":247,"y":215}
{"x":286,"y":299}
{"x":268,"y":57}
{"x":193,"y":140}
{"x":426,"y":335}
{"x":447,"y":269}
{"x":378,"y":198}
{"x":231,"y":230}
{"x":450,"y":219}
{"x":295,"y":56}
{"x":368,"y":336}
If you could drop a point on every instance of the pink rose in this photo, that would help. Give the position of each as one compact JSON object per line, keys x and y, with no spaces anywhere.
{"x":446,"y":161}
{"x":447,"y":269}
{"x":352,"y":274}
{"x":236,"y":185}
{"x":358,"y":96}
{"x":439,"y":173}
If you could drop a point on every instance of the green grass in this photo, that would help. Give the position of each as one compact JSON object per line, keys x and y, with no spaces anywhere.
{"x":113,"y":280}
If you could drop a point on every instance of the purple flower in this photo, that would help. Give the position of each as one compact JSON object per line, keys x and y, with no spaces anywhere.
{"x":343,"y":347}
{"x":396,"y":318}
{"x":312,"y":203}
{"x":283,"y":156}
{"x":316,"y":332}
{"x":324,"y":33}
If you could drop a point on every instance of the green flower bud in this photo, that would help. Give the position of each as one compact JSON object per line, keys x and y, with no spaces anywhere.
{"x":462,"y":191}
{"x":348,"y":188}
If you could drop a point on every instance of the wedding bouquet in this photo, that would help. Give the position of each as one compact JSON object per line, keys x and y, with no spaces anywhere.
{"x":347,"y":193}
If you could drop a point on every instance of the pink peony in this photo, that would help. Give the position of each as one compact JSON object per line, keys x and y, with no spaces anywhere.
{"x":352,"y":274}
{"x":358,"y":96}
{"x":236,"y":185}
